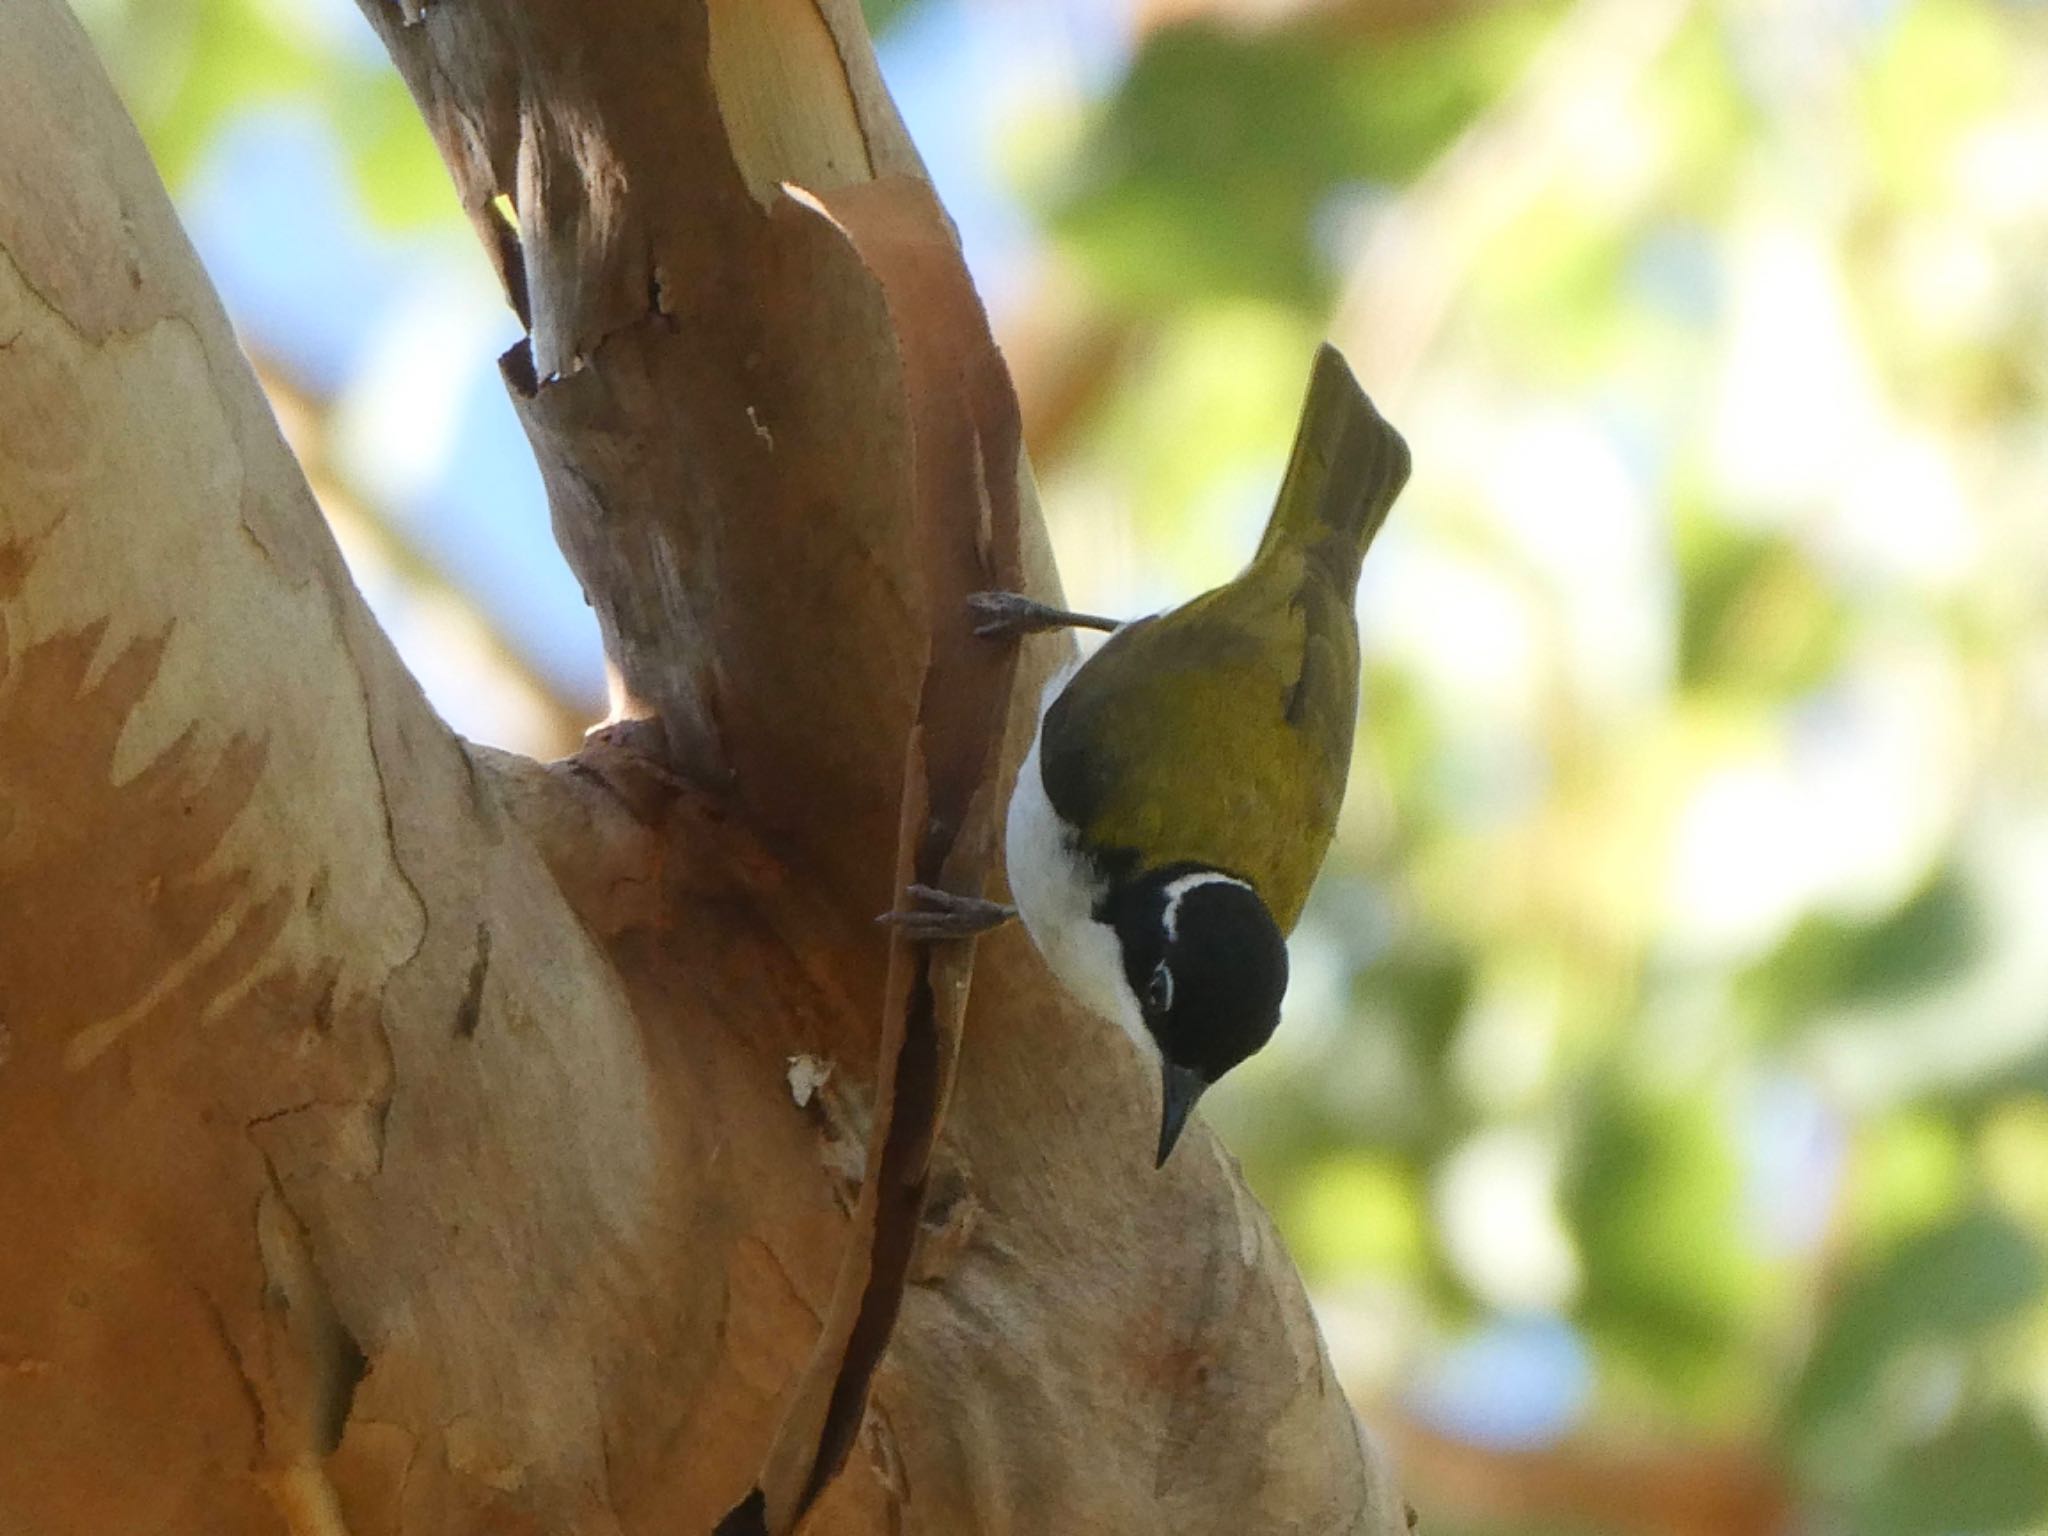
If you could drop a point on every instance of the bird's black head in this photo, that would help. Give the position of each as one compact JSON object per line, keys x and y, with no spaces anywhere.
{"x":1208,"y":966}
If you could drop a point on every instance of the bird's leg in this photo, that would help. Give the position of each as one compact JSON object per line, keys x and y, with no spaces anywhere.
{"x":941,"y":914}
{"x":1006,"y":615}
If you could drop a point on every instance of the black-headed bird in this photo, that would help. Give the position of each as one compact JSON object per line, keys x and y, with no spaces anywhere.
{"x":1185,"y":780}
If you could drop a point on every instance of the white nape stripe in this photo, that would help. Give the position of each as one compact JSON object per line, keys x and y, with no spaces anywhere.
{"x":1177,"y":890}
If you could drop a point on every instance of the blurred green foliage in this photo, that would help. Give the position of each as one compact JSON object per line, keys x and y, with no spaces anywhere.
{"x":1701,"y":759}
{"x":186,"y":66}
{"x":1681,"y":974}
{"x":1265,"y":124}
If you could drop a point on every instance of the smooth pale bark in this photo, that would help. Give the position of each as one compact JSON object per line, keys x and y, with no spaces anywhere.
{"x":396,"y":1136}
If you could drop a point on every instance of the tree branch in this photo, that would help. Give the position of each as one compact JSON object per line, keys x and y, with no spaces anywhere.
{"x":401,"y":1137}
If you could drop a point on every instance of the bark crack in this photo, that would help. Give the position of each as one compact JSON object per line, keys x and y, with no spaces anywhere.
{"x":279,"y":1114}
{"x":419,"y":941}
{"x":390,"y":819}
{"x":469,"y":1013}
{"x":219,"y":1320}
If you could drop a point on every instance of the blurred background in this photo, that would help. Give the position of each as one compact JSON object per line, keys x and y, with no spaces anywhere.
{"x":1661,"y":1118}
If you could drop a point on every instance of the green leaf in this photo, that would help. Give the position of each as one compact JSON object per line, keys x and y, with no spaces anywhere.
{"x":1987,"y":1472}
{"x":1353,"y":1213}
{"x":1209,"y":170}
{"x":1946,"y":1285}
{"x":234,"y":55}
{"x":398,"y":175}
{"x":1910,"y":1174}
{"x":1653,"y":1194}
{"x":1756,"y":617}
{"x":1828,"y":963}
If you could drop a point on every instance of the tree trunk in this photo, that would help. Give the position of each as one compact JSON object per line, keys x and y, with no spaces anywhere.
{"x":398,"y":1136}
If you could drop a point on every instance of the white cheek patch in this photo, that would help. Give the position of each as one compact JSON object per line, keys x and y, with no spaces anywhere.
{"x":1177,"y":890}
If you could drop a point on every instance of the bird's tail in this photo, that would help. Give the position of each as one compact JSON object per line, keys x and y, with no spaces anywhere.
{"x":1347,"y":467}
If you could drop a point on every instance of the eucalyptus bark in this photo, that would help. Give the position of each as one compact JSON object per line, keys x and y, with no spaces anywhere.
{"x":399,"y":1136}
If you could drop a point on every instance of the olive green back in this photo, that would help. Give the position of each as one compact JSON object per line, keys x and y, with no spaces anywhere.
{"x":1219,"y":733}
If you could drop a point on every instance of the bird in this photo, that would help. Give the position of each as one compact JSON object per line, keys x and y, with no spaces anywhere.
{"x":1183,"y":784}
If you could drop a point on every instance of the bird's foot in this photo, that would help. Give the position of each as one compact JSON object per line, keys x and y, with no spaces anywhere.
{"x":941,"y":914}
{"x":1006,"y":615}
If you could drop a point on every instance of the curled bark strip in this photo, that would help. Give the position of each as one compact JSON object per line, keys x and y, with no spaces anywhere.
{"x":963,"y":472}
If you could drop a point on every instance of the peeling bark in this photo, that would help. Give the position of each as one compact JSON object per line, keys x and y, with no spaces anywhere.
{"x":399,"y":1135}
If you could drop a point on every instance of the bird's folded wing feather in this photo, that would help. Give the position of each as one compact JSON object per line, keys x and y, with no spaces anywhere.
{"x":1219,"y":733}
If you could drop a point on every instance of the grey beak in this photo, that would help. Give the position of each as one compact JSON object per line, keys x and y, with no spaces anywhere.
{"x":1183,"y":1086}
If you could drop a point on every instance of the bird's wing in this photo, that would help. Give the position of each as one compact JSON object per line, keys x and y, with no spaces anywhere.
{"x":1218,"y":733}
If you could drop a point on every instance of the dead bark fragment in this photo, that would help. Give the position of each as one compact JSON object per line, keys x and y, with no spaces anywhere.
{"x":964,"y":495}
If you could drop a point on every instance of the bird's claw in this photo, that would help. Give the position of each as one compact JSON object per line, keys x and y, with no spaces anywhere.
{"x":1007,"y":615}
{"x":940,"y":915}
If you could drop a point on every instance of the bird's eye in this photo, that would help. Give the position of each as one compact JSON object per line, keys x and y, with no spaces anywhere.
{"x":1159,"y":991}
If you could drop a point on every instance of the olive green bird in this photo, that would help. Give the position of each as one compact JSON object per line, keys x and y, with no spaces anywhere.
{"x":1185,"y":779}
